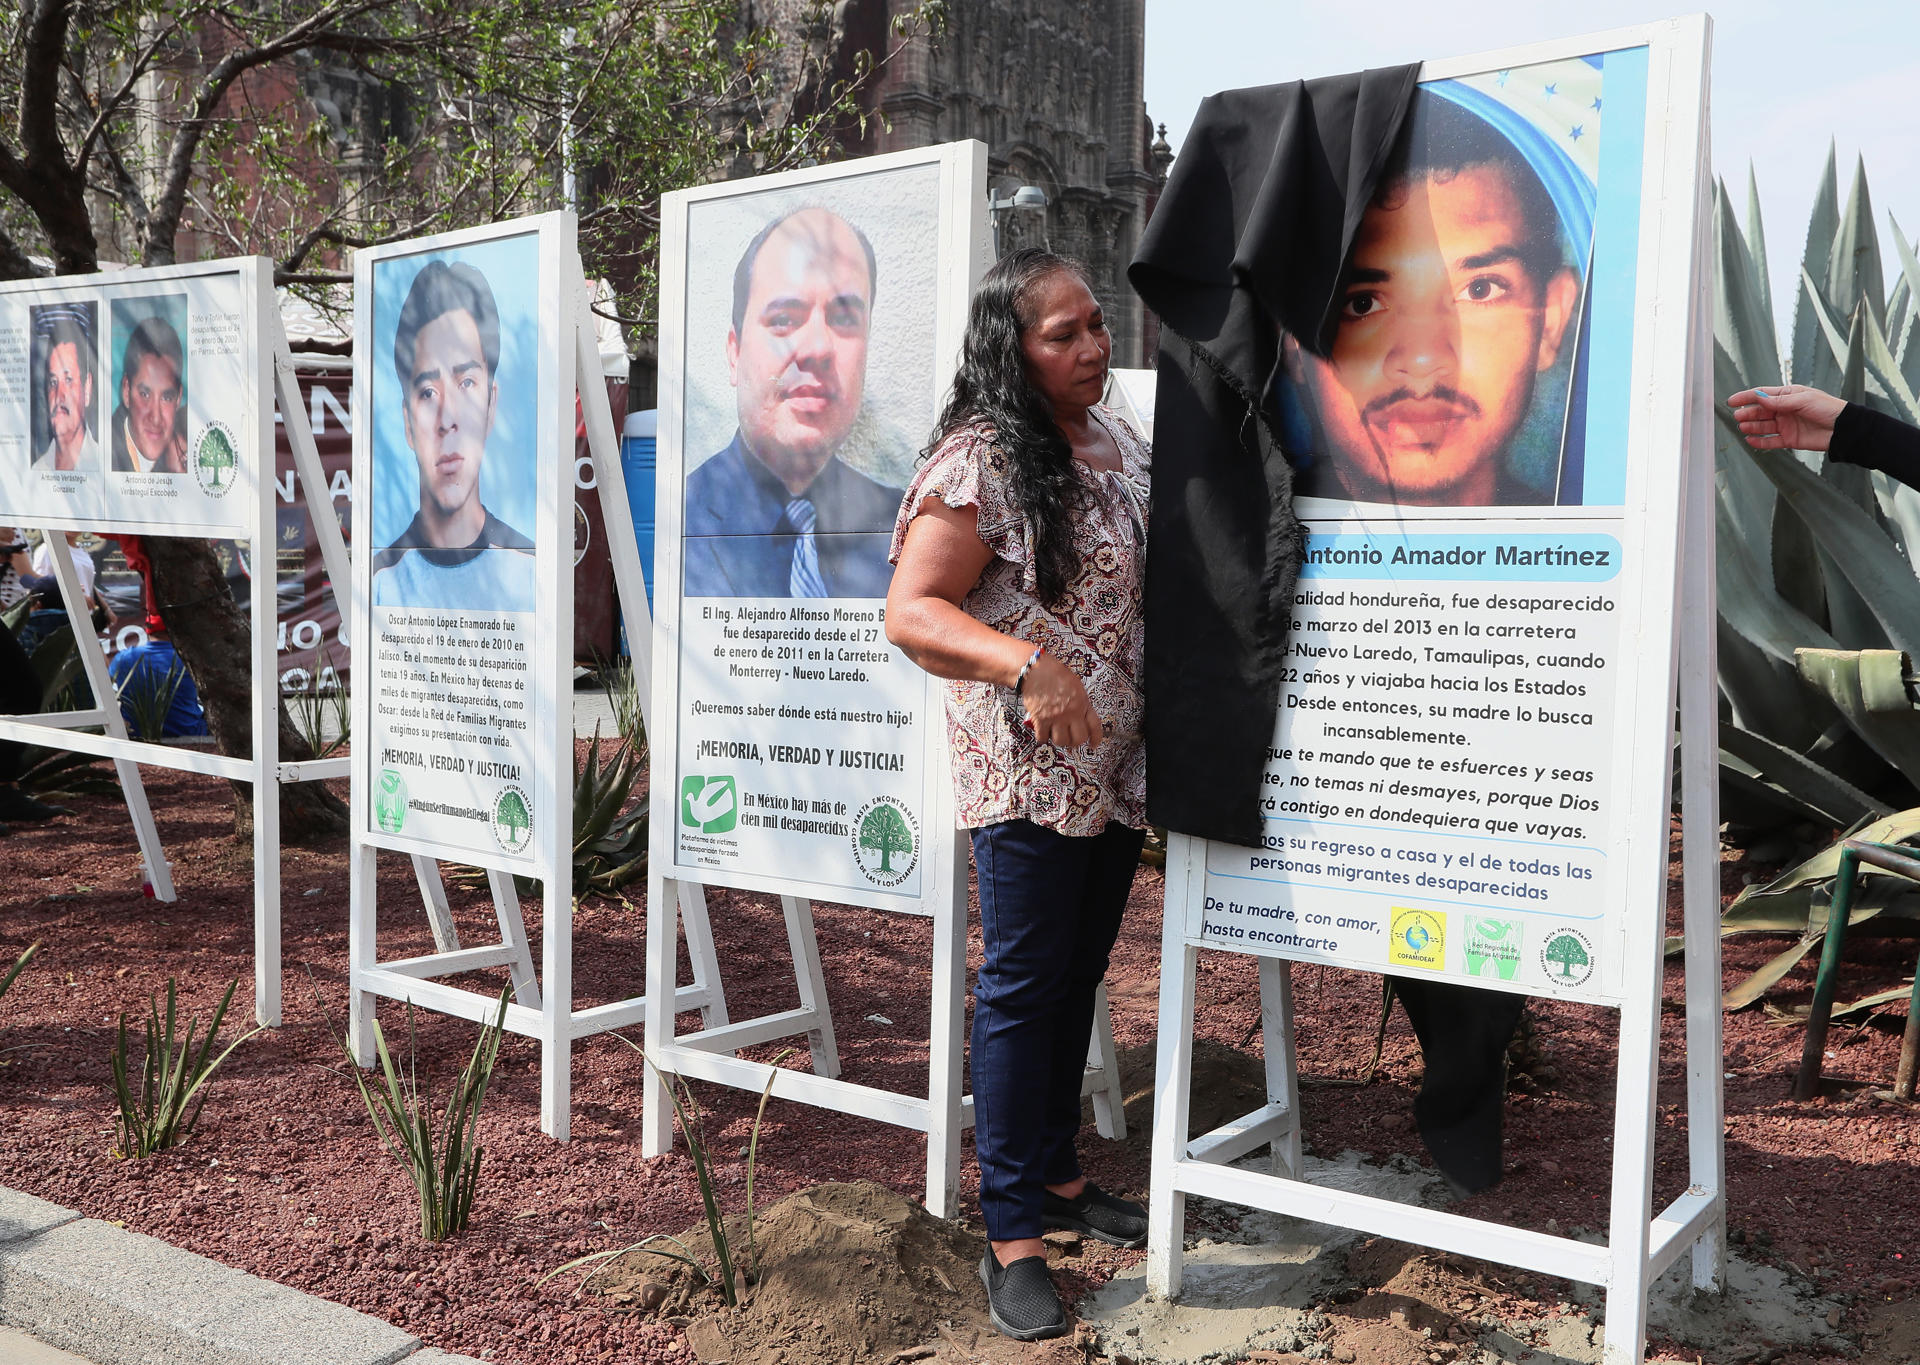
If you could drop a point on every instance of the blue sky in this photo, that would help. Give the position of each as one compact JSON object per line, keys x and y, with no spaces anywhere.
{"x":1787,"y":79}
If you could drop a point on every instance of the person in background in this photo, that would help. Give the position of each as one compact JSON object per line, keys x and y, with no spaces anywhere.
{"x":14,"y":566}
{"x":19,"y":696}
{"x":1796,"y":417}
{"x":157,"y":671}
{"x":1019,"y":552}
{"x":50,"y":613}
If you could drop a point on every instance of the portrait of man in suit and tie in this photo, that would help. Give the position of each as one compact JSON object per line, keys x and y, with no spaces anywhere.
{"x":778,"y":512}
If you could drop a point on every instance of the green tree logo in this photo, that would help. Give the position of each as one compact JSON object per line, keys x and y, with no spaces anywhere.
{"x":390,"y":801}
{"x":886,"y":841}
{"x":214,"y":458}
{"x":1567,"y":958}
{"x":512,"y":820}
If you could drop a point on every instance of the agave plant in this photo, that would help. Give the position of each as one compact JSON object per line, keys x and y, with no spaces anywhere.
{"x":57,"y":774}
{"x":609,"y":842}
{"x":1818,"y":598}
{"x":609,"y":839}
{"x":1816,"y":559}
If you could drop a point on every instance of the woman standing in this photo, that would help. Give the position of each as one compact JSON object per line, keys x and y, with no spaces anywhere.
{"x":1020,"y":549}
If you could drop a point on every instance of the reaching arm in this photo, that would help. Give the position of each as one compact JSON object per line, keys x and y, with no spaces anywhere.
{"x":1786,"y":417}
{"x":942,"y":559}
{"x":1794,"y":417}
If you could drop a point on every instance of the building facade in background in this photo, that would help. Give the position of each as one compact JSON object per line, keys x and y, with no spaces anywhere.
{"x":1054,"y":88}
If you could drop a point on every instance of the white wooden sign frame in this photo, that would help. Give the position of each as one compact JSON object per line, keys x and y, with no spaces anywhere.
{"x":1667,"y":654}
{"x":542,"y":1006}
{"x":943,"y":1113}
{"x":272,"y":376}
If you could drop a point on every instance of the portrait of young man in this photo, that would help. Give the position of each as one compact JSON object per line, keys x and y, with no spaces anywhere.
{"x":150,"y":425}
{"x":64,"y":392}
{"x":778,"y":512}
{"x":1460,"y":302}
{"x":454,"y":553}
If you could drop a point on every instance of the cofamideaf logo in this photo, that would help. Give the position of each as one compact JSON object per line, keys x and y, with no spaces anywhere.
{"x":709,"y":804}
{"x":1418,"y":938}
{"x":886,"y":841}
{"x":390,"y":801}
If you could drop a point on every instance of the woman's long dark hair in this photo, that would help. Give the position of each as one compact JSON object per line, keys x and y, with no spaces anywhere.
{"x":991,"y":387}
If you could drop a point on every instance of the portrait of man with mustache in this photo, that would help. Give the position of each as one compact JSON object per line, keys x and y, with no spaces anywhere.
{"x":64,"y":396}
{"x":1458,"y":298}
{"x":778,"y":513}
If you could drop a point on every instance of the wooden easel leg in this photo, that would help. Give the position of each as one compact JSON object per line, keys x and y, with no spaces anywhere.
{"x":812,"y":984}
{"x":362,"y":935}
{"x":663,"y":932}
{"x":1103,"y":1072}
{"x":556,"y":1012}
{"x":513,"y":933}
{"x":1173,"y":1068}
{"x":702,"y":955}
{"x":152,"y":855}
{"x":944,"y":1055}
{"x":1700,"y":806}
{"x":1283,"y":1080}
{"x":433,"y":894}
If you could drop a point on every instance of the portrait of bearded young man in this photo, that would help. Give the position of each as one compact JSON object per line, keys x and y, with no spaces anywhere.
{"x":1457,"y":299}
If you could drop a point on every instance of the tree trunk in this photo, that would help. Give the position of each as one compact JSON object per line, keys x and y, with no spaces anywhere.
{"x":213,"y":637}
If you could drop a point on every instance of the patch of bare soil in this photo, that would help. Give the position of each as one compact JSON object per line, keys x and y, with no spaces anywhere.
{"x":840,"y":1271}
{"x":285,"y":1178}
{"x":1410,"y":1307}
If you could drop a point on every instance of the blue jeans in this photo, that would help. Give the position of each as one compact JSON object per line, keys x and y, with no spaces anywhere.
{"x":1050,"y":908}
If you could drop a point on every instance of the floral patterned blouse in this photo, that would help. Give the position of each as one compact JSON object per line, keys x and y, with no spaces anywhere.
{"x":1000,"y":771}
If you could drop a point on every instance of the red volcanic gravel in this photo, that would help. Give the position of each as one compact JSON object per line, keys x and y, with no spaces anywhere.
{"x":285,"y":1179}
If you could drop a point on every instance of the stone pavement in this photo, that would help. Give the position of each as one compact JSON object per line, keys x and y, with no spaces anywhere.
{"x":96,"y":1293}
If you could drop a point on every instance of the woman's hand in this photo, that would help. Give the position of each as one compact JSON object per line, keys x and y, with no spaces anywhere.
{"x":1786,"y":417}
{"x":1058,"y":709}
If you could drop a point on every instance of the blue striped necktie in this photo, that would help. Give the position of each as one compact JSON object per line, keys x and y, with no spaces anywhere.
{"x":803,"y":579}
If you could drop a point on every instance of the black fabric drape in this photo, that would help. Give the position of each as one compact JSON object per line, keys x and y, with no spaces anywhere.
{"x":1862,"y":436}
{"x":1249,"y":239}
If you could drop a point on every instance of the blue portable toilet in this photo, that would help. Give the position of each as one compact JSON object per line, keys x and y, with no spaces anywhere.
{"x":637,"y":462}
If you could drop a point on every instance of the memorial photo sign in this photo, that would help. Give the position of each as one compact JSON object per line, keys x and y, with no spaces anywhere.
{"x":1439,"y":793}
{"x":800,"y":386}
{"x":129,"y":401}
{"x":462,"y":450}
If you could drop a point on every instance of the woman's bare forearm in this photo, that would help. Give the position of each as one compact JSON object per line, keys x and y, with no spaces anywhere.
{"x":948,"y":643}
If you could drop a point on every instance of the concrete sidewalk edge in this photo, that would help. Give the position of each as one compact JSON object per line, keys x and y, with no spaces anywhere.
{"x":124,"y":1298}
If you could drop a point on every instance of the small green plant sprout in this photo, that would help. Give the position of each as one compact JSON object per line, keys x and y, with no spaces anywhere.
{"x":623,"y":697}
{"x":172,"y":1078}
{"x":322,"y":705}
{"x":730,"y":1282}
{"x":19,"y":966}
{"x":443,"y":1159}
{"x":146,"y":697}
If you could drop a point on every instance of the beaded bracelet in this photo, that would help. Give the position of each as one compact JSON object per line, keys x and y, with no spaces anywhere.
{"x":1020,"y":679}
